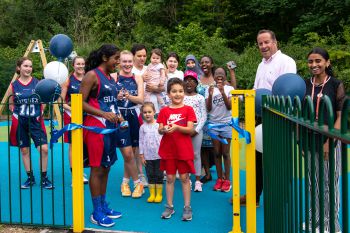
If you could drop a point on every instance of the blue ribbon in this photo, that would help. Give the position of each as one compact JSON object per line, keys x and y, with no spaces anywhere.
{"x":56,"y":134}
{"x":234,"y":123}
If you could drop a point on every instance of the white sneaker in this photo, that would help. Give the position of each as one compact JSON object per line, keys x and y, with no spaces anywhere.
{"x":198,"y":186}
{"x":85,"y":179}
{"x":143,"y":180}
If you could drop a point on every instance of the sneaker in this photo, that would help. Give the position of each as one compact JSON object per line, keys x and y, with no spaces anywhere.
{"x":110,"y":212}
{"x":187,"y":213}
{"x":85,"y":179}
{"x":198,"y":186}
{"x":138,"y":191}
{"x":125,"y":190}
{"x":310,"y":227}
{"x":46,"y":183}
{"x":101,"y":219}
{"x":28,"y":183}
{"x":205,"y":179}
{"x":218,"y":184}
{"x":168,"y":212}
{"x":191,"y":185}
{"x":143,"y":180}
{"x":226,"y":186}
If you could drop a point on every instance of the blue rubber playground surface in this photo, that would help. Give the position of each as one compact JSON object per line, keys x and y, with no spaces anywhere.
{"x":211,"y":210}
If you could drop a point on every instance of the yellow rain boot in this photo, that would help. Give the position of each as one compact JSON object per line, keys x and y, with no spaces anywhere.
{"x":159,"y":196}
{"x":152,"y":192}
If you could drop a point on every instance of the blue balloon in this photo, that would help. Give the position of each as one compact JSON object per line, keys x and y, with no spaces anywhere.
{"x":48,"y":89}
{"x":289,"y":85}
{"x":258,"y":99}
{"x":61,"y":46}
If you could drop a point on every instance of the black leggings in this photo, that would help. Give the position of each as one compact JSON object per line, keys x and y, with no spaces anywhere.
{"x":154,"y":174}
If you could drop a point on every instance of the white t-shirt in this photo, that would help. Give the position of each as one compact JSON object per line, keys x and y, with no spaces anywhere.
{"x":137,"y":71}
{"x":177,"y":74}
{"x":269,"y":70}
{"x":219,"y":112}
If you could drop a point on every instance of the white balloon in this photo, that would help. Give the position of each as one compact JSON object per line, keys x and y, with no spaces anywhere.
{"x":57,"y":71}
{"x":259,"y":138}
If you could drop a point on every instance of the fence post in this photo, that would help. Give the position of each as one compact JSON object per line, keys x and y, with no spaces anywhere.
{"x":77,"y":164}
{"x":250,"y":161}
{"x":249,"y":98}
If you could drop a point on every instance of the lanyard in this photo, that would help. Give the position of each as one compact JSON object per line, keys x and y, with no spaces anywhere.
{"x":319,"y":95}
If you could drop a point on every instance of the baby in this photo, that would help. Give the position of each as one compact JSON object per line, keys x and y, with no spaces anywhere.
{"x":155,"y":74}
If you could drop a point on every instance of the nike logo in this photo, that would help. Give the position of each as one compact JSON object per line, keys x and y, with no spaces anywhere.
{"x":173,"y":118}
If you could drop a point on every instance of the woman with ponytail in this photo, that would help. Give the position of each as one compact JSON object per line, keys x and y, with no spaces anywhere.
{"x":100,"y":103}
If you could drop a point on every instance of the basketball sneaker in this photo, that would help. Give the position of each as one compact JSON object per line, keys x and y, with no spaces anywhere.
{"x":28,"y":183}
{"x":110,"y":212}
{"x":46,"y":183}
{"x":99,"y":218}
{"x":138,"y":190}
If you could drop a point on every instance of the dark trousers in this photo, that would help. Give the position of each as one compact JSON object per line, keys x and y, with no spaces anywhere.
{"x":154,"y":174}
{"x":258,"y":174}
{"x":258,"y":167}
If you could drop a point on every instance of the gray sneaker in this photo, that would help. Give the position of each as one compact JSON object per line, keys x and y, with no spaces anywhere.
{"x":168,"y":212}
{"x":143,"y":180}
{"x":187,"y":213}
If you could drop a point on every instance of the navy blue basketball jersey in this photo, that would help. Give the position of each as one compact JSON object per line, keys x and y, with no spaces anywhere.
{"x":129,"y":84}
{"x":27,"y":104}
{"x":106,"y":96}
{"x":73,"y":87}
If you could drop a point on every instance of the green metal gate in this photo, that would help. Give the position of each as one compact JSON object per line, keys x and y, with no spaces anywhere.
{"x":290,"y":135}
{"x":35,"y":205}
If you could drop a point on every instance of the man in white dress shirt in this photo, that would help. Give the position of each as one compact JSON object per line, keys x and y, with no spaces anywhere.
{"x":274,"y":63}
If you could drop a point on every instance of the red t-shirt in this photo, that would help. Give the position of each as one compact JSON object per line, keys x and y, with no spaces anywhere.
{"x":176,"y":145}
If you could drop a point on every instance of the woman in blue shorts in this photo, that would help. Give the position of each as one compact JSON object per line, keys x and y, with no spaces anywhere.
{"x":130,"y":94}
{"x":27,"y":121}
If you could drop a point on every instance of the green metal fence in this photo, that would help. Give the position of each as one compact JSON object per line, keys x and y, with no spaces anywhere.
{"x":295,"y":193}
{"x":34,"y":206}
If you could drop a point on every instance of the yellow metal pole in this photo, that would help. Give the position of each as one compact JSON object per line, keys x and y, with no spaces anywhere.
{"x":77,"y":164}
{"x":236,"y":228}
{"x":250,"y":161}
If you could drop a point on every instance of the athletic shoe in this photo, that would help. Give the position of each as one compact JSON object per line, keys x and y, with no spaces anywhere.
{"x":125,"y":190}
{"x":198,"y":186}
{"x":226,"y":186}
{"x":218,"y":184}
{"x":85,"y":179}
{"x":101,"y":219}
{"x":191,"y":185}
{"x":205,"y":179}
{"x":187,"y":213}
{"x":46,"y":183}
{"x":168,"y":212}
{"x":28,"y":183}
{"x":138,"y":190}
{"x":143,"y":180}
{"x":110,"y":212}
{"x":310,"y":227}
